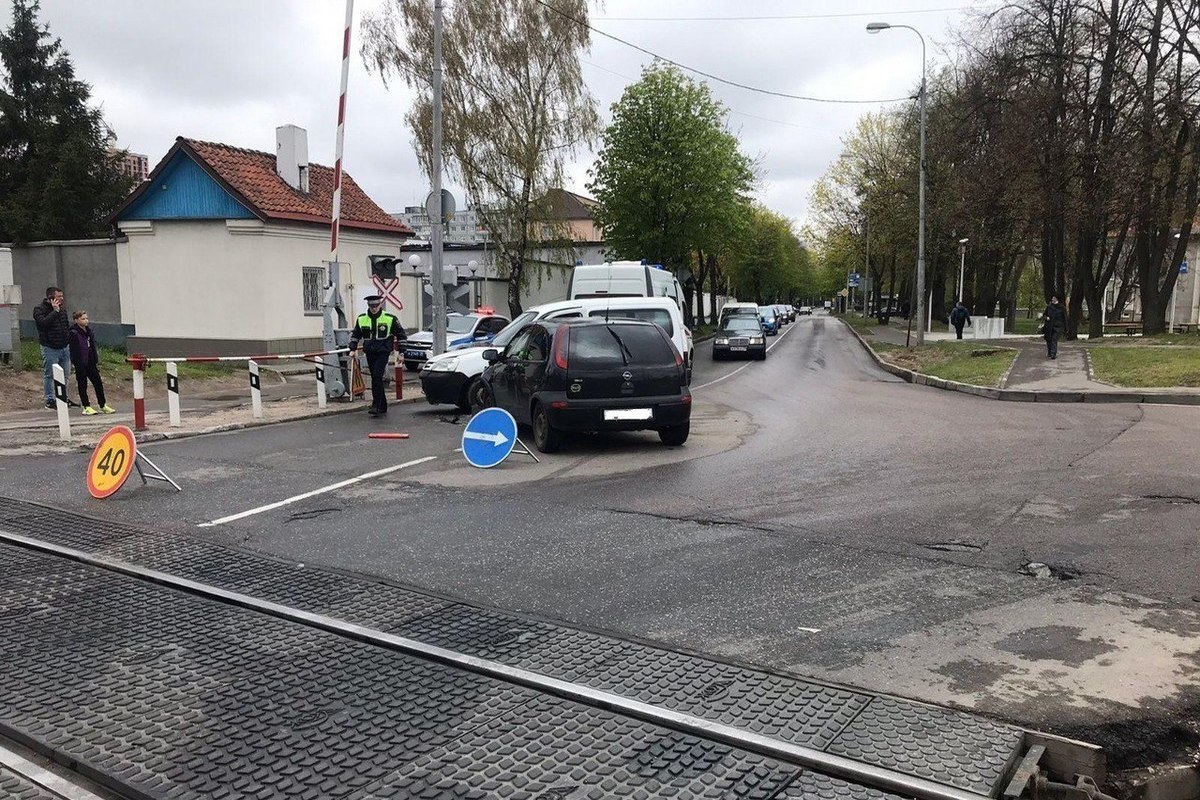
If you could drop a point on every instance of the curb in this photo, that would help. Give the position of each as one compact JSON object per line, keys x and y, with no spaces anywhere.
{"x":1162,"y":397}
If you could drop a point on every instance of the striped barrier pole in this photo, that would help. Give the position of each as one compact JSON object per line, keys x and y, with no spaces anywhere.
{"x":255,"y":389}
{"x":173,"y":393}
{"x":321,"y":399}
{"x":60,"y":402}
{"x":139,"y":391}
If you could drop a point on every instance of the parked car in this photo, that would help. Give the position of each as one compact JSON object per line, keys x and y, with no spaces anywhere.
{"x":770,"y":321}
{"x":740,"y":335}
{"x":590,"y":375}
{"x":448,"y":378}
{"x":804,"y":311}
{"x":785,"y":312}
{"x":462,"y":330}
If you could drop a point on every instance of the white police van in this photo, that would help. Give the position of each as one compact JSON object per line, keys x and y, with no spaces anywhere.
{"x":448,"y":378}
{"x":624,"y":279}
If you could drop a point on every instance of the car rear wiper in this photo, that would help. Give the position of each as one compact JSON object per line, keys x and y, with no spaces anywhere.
{"x":625,"y":352}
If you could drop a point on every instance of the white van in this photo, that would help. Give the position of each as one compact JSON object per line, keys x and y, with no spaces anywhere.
{"x":447,"y":378}
{"x":624,"y":279}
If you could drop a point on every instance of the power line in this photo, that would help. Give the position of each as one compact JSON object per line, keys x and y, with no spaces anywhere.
{"x":709,"y":75}
{"x":785,"y":16}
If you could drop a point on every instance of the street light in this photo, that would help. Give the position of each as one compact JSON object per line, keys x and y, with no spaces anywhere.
{"x":962,"y":263}
{"x":876,"y":27}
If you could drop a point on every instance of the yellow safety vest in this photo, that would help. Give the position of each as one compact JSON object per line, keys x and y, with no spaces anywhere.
{"x":380,"y":327}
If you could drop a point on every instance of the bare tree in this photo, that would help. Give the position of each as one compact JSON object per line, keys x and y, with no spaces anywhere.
{"x":515,"y":108}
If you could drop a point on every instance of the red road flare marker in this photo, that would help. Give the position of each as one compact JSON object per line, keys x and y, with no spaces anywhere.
{"x":387,"y":435}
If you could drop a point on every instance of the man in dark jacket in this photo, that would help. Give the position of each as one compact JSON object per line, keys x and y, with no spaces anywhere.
{"x":1055,"y":326}
{"x":959,"y":317}
{"x":378,"y":331}
{"x":53,"y":325}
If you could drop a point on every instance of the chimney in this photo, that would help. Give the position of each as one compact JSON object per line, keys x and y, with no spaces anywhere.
{"x":291,"y":155}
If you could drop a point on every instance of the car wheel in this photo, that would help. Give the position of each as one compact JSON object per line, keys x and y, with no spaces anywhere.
{"x":717,"y":356}
{"x":479,"y":396}
{"x":761,"y":356}
{"x":464,"y":397}
{"x":675,"y":435}
{"x":545,"y":437}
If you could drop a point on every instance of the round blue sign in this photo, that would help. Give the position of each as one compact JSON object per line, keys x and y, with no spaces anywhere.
{"x":489,"y":437}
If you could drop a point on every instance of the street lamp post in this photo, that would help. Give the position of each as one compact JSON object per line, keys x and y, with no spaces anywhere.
{"x":962,"y":263}
{"x":876,"y":27}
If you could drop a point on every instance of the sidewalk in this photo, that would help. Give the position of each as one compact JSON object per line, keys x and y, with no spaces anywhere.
{"x":223,"y":408}
{"x":1033,"y":376}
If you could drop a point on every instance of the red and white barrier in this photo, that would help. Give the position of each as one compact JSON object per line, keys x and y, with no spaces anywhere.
{"x":140,"y":363}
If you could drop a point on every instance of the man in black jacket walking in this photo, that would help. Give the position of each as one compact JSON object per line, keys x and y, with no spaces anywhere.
{"x":53,"y":326}
{"x":1055,"y":327}
{"x":959,"y":317}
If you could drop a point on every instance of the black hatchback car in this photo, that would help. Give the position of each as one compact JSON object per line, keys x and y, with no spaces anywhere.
{"x":590,"y":375}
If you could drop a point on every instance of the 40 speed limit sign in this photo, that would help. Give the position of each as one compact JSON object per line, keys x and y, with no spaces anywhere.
{"x":112,"y":462}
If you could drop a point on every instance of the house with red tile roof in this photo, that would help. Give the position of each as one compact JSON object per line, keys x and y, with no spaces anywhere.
{"x":224,"y":250}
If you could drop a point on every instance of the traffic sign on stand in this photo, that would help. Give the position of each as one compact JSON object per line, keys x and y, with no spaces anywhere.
{"x":855,"y":280}
{"x":114,"y":460}
{"x":1183,"y":267}
{"x":489,"y":437}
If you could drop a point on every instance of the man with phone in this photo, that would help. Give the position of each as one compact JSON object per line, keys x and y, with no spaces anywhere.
{"x":54,"y":327}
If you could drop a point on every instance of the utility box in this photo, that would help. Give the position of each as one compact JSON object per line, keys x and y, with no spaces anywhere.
{"x":8,"y":321}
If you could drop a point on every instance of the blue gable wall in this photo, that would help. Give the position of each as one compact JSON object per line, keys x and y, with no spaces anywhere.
{"x":185,"y":191}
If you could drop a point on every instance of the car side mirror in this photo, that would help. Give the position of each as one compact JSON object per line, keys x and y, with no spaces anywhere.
{"x":491,"y":355}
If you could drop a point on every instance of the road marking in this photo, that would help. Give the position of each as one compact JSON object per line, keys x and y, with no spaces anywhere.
{"x":809,"y":630}
{"x":496,"y":439}
{"x":323,"y":490}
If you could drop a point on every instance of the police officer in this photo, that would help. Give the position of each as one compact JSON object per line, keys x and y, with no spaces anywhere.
{"x":377,"y":329}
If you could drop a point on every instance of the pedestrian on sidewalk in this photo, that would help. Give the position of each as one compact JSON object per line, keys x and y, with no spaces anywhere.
{"x":377,"y":330}
{"x":85,"y":358}
{"x":959,"y":317}
{"x":1055,"y":326}
{"x":53,"y":326}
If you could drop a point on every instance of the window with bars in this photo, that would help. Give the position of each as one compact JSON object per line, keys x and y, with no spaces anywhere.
{"x":314,"y":289}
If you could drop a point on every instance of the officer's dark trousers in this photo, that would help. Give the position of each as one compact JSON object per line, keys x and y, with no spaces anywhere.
{"x":377,"y":363}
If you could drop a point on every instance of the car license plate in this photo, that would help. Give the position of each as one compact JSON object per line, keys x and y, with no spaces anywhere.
{"x":738,"y":349}
{"x":611,"y":415}
{"x":414,"y":353}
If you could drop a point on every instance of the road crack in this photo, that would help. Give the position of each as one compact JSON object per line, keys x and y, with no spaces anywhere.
{"x":1141,"y":416}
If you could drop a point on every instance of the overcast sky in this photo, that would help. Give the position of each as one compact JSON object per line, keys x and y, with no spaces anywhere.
{"x":232,"y":70}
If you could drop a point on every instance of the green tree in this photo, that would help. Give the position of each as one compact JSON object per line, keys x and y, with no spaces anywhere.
{"x":669,"y":176}
{"x":58,"y":179}
{"x":514,"y":107}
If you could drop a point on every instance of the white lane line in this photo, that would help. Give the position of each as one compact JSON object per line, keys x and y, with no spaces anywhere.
{"x":323,"y":490}
{"x":809,"y":630}
{"x":743,"y":366}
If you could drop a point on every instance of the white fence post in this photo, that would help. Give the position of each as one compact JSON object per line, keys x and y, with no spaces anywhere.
{"x":255,"y":389}
{"x":321,"y":400}
{"x":60,"y":402}
{"x":173,"y":393}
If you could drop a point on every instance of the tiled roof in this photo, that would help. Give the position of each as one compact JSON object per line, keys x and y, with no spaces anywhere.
{"x":568,"y":205}
{"x":251,"y":173}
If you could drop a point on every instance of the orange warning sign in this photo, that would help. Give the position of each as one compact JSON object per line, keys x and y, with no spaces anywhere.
{"x":111,"y":463}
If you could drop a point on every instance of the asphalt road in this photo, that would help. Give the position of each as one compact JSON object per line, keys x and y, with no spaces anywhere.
{"x":824,"y":519}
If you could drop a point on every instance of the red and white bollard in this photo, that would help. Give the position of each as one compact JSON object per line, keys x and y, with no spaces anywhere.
{"x":139,"y":391}
{"x":399,"y":372}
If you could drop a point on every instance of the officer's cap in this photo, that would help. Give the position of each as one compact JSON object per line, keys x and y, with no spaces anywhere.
{"x":373,"y":299}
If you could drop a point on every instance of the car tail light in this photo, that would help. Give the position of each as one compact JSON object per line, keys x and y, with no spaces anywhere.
{"x":559,"y":404}
{"x":561,"y":343}
{"x":686,"y":399}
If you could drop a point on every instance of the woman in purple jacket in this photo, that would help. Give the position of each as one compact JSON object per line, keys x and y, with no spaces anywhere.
{"x":86,"y":361}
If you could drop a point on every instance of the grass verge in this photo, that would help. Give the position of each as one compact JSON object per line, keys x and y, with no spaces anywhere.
{"x":1147,"y":367}
{"x":863,"y":326}
{"x":953,"y":361}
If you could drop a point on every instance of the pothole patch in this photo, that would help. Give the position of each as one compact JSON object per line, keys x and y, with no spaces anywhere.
{"x":1062,"y":572}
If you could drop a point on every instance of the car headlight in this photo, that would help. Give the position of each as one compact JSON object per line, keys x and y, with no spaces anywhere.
{"x":756,"y":340}
{"x":722,"y":341}
{"x":444,"y":365}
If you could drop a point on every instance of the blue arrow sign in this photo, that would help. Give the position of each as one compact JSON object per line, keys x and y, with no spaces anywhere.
{"x":489,"y":437}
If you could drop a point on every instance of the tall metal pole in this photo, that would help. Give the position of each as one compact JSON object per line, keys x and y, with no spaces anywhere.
{"x":921,"y":202}
{"x":867,"y":265}
{"x":435,"y":238}
{"x":962,"y":266}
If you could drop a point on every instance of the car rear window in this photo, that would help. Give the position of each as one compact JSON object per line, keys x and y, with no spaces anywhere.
{"x":743,"y":325}
{"x":600,"y":345}
{"x":657,"y":315}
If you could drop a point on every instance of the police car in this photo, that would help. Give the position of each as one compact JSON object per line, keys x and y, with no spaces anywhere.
{"x":462,"y":330}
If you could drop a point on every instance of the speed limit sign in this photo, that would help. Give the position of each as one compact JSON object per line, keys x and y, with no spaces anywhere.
{"x":112,"y":462}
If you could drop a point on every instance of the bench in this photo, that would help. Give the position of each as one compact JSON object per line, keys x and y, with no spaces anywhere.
{"x":1128,"y":328}
{"x":1187,"y":327}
